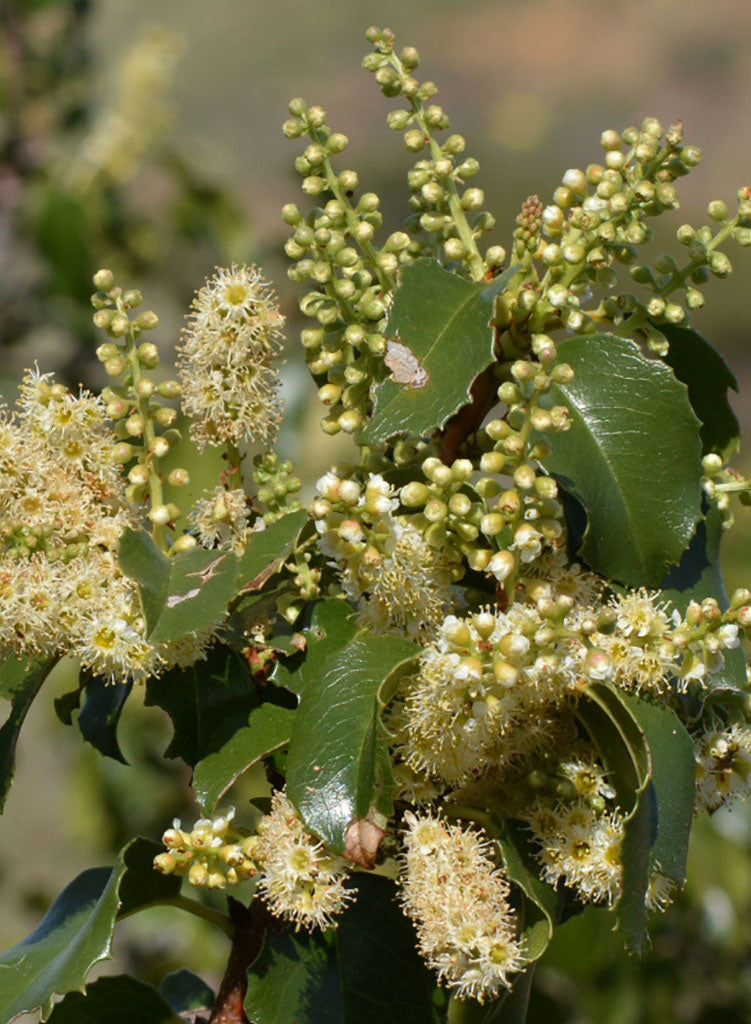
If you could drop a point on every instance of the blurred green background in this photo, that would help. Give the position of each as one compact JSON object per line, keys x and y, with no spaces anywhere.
{"x":147,"y":137}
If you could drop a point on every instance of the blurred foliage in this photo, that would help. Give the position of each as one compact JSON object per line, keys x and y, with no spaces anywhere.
{"x":87,"y":180}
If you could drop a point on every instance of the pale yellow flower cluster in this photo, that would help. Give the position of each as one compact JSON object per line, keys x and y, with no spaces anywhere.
{"x":221,"y":519}
{"x":388,"y":569}
{"x":227,"y":360}
{"x":457,"y":897}
{"x":62,"y":510}
{"x":300,"y":880}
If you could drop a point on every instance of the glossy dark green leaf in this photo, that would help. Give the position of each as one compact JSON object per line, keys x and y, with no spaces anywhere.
{"x":184,"y":990}
{"x":76,"y":932}
{"x":332,"y":626}
{"x":673,"y":780}
{"x":368,"y":971}
{"x":631,"y":457}
{"x":444,"y":321}
{"x":207,"y":702}
{"x":384,"y":979}
{"x":294,"y":979}
{"x":119,"y":999}
{"x":512,"y":1008}
{"x":539,"y":904}
{"x":267,"y":549}
{"x":703,"y":370}
{"x":269,"y":728}
{"x":622,"y":745}
{"x":332,"y":772}
{"x":20,"y":682}
{"x":100,"y":715}
{"x":698,"y":576}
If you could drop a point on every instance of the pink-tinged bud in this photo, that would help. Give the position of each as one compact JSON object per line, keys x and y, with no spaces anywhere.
{"x":598,"y":665}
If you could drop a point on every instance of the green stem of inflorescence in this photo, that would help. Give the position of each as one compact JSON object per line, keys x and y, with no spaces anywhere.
{"x":475,"y":262}
{"x":156,"y":491}
{"x":368,"y":249}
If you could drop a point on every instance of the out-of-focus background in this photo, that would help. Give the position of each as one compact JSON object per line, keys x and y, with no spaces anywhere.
{"x":146,"y":137}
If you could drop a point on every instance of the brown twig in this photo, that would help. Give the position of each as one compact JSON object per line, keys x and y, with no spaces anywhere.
{"x":467,"y":421}
{"x":251,"y":924}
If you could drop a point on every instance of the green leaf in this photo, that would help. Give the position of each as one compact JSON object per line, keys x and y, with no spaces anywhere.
{"x":294,"y":979}
{"x":269,"y":728}
{"x":673,"y":780}
{"x":267,"y":549}
{"x":384,"y":979}
{"x":118,"y":1000}
{"x":698,"y":576}
{"x":697,"y":363}
{"x":207,"y":702}
{"x":184,"y":990}
{"x":622,"y":745}
{"x":76,"y":932}
{"x":144,"y":562}
{"x":540,"y":903}
{"x":367,"y":972}
{"x":444,"y":320}
{"x":334,"y":753}
{"x":20,"y":682}
{"x":180,"y":595}
{"x":631,"y":457}
{"x":512,"y":1009}
{"x":332,"y":626}
{"x":201,"y":585}
{"x":100,"y":715}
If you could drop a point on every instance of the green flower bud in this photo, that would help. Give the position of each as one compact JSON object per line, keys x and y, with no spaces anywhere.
{"x":291,"y":214}
{"x":169,"y":389}
{"x":414,"y":494}
{"x":720,"y":264}
{"x":122,"y":452}
{"x":104,"y":280}
{"x":102,"y":319}
{"x":147,"y":320}
{"x":115,"y":366}
{"x":399,"y":120}
{"x":148,"y":355}
{"x":718,"y":210}
{"x":166,"y":416}
{"x":179,"y":477}
{"x":495,"y":256}
{"x":414,"y":139}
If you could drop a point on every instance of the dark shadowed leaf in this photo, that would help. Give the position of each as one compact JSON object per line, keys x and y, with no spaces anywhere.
{"x":269,"y":728}
{"x":697,"y":363}
{"x":333,"y":775}
{"x":76,"y":932}
{"x":631,"y":457}
{"x":444,"y":322}
{"x":207,"y":702}
{"x":100,"y":714}
{"x":184,"y":990}
{"x":699,"y":575}
{"x":116,"y":1000}
{"x":20,"y":682}
{"x":366,"y":972}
